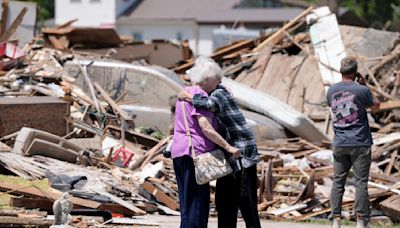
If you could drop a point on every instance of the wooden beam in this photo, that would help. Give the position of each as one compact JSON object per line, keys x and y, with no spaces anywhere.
{"x":279,"y":35}
{"x":55,"y":42}
{"x":382,"y":177}
{"x":17,"y":222}
{"x":218,"y":54}
{"x":153,"y":151}
{"x":387,"y":59}
{"x":13,"y":27}
{"x":389,"y":166}
{"x":67,"y":24}
{"x":160,"y":196}
{"x":120,"y":201}
{"x":389,"y":105}
{"x":4,"y":17}
{"x":111,"y":102}
{"x":35,"y":192}
{"x":391,"y":207}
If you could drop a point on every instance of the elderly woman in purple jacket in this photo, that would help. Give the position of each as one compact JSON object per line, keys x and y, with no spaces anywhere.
{"x":193,"y":198}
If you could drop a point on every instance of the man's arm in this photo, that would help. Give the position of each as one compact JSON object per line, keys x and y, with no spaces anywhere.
{"x":212,"y":103}
{"x":375,"y":107}
{"x":372,"y":102}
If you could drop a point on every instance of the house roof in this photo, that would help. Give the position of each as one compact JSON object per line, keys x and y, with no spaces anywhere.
{"x":205,"y":11}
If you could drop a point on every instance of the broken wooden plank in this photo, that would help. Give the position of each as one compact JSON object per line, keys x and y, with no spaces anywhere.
{"x":14,"y":25}
{"x":67,"y":23}
{"x":387,"y":59}
{"x":384,"y":187}
{"x":279,"y":35}
{"x":160,"y":196}
{"x":391,"y":207}
{"x":35,"y":192}
{"x":288,"y":209}
{"x":154,"y":151}
{"x":111,"y":102}
{"x":389,"y":105}
{"x":389,"y":166}
{"x":22,"y":213}
{"x":120,"y":201}
{"x":4,"y":17}
{"x":218,"y":54}
{"x":15,"y":221}
{"x":55,"y":42}
{"x":382,"y":177}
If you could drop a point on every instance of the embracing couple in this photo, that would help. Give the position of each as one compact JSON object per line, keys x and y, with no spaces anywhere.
{"x":214,"y":120}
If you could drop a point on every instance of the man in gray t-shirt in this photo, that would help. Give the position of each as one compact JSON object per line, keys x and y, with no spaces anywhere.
{"x":349,"y":101}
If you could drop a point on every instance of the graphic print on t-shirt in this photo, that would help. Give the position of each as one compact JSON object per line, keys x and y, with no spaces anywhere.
{"x":344,"y":109}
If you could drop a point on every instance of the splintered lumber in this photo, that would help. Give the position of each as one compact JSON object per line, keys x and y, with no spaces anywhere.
{"x":117,"y":209}
{"x":218,"y":54}
{"x":33,"y":203}
{"x":4,"y":17}
{"x":153,"y":151}
{"x":256,"y":72}
{"x":122,"y":202}
{"x":284,"y":210}
{"x":391,"y":207}
{"x":111,"y":102}
{"x":320,"y":212}
{"x":279,"y":35}
{"x":383,"y":177}
{"x":389,"y":166}
{"x":384,"y":187}
{"x":22,"y":213}
{"x":308,"y":191}
{"x":55,"y":42}
{"x":67,"y":23}
{"x":18,"y":222}
{"x":387,"y":59}
{"x":160,"y":196}
{"x":47,"y":205}
{"x":35,"y":192}
{"x":389,"y":105}
{"x":270,"y":106}
{"x":14,"y":25}
{"x":267,"y":182}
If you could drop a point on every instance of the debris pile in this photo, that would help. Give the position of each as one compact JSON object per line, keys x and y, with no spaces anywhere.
{"x":76,"y":127}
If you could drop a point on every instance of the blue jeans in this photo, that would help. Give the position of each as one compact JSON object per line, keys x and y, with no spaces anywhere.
{"x":194,"y":199}
{"x":360,"y":159}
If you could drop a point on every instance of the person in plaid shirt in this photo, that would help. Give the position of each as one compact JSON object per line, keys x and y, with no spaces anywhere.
{"x":239,"y":189}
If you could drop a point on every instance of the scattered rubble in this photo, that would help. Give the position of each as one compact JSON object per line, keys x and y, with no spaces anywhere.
{"x":72,"y":120}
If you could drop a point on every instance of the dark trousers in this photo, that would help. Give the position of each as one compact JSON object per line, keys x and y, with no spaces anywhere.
{"x":238,"y":191}
{"x":360,"y":159}
{"x":194,"y":199}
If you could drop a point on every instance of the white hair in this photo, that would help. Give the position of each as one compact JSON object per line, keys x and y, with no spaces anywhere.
{"x":203,"y":68}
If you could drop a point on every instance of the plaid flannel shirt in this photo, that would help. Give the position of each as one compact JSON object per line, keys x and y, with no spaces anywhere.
{"x":239,"y":134}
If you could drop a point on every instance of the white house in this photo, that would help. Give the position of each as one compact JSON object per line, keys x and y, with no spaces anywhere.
{"x":175,"y":20}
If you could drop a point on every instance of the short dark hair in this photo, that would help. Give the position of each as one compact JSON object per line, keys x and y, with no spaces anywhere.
{"x":348,"y":65}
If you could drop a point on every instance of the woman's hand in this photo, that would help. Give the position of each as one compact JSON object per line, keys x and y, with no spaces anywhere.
{"x":185,"y":95}
{"x":234,"y":151}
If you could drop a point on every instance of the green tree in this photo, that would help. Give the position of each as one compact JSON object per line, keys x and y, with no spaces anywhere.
{"x":45,"y":9}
